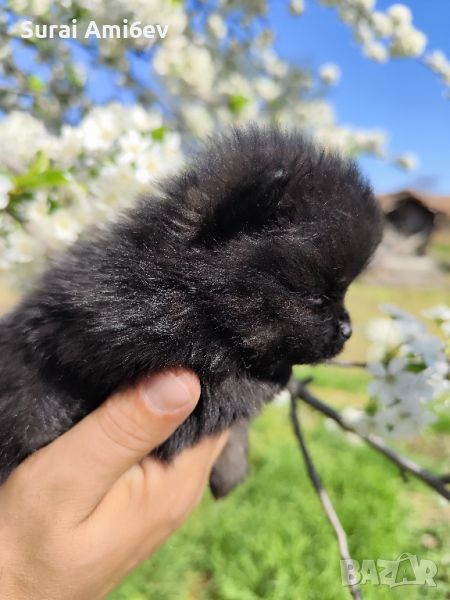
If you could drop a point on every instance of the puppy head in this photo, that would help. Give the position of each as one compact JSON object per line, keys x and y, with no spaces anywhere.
{"x":281,"y":228}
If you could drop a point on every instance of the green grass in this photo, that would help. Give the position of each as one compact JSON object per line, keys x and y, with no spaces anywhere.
{"x":353,"y":380}
{"x":440,"y":248}
{"x":270,"y":539}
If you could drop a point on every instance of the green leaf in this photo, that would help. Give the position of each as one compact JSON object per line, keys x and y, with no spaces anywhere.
{"x":40,"y":174}
{"x":236,"y":103}
{"x":159,"y":133}
{"x":49,"y":178}
{"x":416,"y":367}
{"x":40,"y":164}
{"x":53,"y":204}
{"x":371,"y":408}
{"x":35,"y":84}
{"x":79,"y":13}
{"x":73,"y":76}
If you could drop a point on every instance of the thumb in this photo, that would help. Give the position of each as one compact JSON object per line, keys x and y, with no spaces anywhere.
{"x":131,"y":423}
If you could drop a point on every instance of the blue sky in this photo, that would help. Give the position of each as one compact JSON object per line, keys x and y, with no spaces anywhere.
{"x":401,"y":96}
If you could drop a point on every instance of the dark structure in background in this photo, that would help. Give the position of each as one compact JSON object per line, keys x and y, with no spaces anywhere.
{"x":413,"y":213}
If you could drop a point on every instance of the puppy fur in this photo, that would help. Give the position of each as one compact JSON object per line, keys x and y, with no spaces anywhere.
{"x":236,"y":269}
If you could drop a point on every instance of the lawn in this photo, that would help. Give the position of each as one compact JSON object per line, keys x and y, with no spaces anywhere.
{"x":440,"y":248}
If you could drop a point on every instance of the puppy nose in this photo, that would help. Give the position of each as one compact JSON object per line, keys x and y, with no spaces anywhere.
{"x":346,"y":329}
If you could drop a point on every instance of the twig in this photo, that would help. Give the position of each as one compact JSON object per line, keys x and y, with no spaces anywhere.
{"x":323,"y":496}
{"x":445,"y":478}
{"x":299,"y":390}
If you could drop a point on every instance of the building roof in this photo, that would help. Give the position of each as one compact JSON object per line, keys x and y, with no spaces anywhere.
{"x":434,"y":203}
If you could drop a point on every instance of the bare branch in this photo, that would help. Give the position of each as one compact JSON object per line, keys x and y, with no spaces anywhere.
{"x":298,"y":390}
{"x":323,"y":496}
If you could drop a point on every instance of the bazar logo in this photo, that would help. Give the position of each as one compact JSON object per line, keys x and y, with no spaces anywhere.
{"x":407,"y":569}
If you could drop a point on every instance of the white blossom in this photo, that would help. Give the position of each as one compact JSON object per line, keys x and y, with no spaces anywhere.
{"x":356,"y":419}
{"x":400,"y":14}
{"x":132,"y":146}
{"x":193,"y":64}
{"x":399,"y":421}
{"x":429,"y":347}
{"x":408,"y":162}
{"x":397,"y":313}
{"x":112,"y":161}
{"x":5,"y":187}
{"x":376,"y":51}
{"x":437,"y":376}
{"x":386,"y":385}
{"x":197,"y":118}
{"x":384,"y":334}
{"x":440,"y":314}
{"x":411,"y":371}
{"x":366,"y":5}
{"x":33,"y":7}
{"x":296,"y":7}
{"x":382,"y":24}
{"x":439,"y":63}
{"x":363,"y":33}
{"x":64,"y":227}
{"x":273,"y":64}
{"x":437,"y":60}
{"x":66,"y":148}
{"x":21,"y":249}
{"x":144,"y":120}
{"x":217,"y":25}
{"x":388,"y":34}
{"x":267,"y":88}
{"x":330,"y":73}
{"x":408,"y":41}
{"x":99,"y":130}
{"x":22,"y":135}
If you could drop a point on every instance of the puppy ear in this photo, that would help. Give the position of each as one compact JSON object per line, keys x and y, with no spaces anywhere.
{"x":245,"y":206}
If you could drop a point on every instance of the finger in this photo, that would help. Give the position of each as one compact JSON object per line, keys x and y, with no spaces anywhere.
{"x":156,"y":497}
{"x":151,"y":478}
{"x":85,"y":462}
{"x":188,"y":468}
{"x":179,"y":489}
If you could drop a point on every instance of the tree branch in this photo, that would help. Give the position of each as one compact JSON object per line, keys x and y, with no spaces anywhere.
{"x":323,"y":496}
{"x":298,"y":390}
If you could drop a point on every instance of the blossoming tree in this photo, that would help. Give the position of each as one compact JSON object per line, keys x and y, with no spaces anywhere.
{"x":217,"y":65}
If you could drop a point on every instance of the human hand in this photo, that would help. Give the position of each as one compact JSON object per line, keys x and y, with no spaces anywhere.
{"x":82,"y":512}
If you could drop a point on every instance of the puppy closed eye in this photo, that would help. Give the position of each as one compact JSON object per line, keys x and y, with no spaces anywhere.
{"x":315,"y":301}
{"x":312,"y":301}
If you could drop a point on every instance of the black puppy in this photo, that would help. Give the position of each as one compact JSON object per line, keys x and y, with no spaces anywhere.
{"x":237,"y":269}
